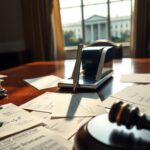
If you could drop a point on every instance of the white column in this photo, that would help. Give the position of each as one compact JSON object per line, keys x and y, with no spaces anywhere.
{"x":106,"y":31}
{"x":99,"y":31}
{"x":92,"y":33}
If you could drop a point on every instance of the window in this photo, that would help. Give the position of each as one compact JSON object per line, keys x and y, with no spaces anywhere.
{"x":93,"y":20}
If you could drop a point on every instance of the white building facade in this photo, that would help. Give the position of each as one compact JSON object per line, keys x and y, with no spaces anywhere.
{"x":96,"y":28}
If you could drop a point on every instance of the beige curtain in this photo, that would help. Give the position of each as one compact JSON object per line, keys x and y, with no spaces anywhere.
{"x":140,"y":32}
{"x":40,"y":29}
{"x":58,"y":33}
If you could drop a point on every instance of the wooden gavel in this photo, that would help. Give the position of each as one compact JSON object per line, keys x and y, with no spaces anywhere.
{"x":101,"y":133}
{"x":125,"y":114}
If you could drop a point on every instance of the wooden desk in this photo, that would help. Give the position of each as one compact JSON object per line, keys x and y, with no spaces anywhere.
{"x":20,"y":92}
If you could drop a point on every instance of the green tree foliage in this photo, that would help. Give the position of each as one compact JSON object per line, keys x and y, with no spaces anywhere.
{"x":125,"y":37}
{"x":70,"y":39}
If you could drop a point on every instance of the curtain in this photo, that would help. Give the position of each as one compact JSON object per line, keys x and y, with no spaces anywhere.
{"x":39,"y":27}
{"x":140,"y":32}
{"x":58,"y":33}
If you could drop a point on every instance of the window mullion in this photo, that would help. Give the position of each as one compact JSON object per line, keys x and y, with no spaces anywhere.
{"x":83,"y":23}
{"x":108,"y":19}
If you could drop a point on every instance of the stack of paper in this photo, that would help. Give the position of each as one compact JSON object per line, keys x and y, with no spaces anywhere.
{"x":61,"y":115}
{"x":20,"y":129}
{"x":65,"y":113}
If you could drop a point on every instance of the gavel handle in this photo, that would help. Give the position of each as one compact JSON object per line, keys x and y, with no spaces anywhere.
{"x":125,"y":114}
{"x":144,"y":122}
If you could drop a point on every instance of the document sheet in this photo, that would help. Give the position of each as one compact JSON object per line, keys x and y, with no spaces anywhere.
{"x":44,"y":82}
{"x":66,"y":105}
{"x":66,"y":127}
{"x":136,"y":95}
{"x":38,"y":138}
{"x":136,"y":78}
{"x":14,"y":119}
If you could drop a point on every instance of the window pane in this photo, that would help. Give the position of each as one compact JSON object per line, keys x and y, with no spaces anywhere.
{"x":69,"y":3}
{"x":115,"y":0}
{"x":71,"y":20}
{"x":95,"y":22}
{"x":120,"y":20}
{"x":121,"y":8}
{"x":71,"y":15}
{"x":87,"y":2}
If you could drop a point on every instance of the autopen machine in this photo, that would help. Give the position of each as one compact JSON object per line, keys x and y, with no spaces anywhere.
{"x":92,"y":68}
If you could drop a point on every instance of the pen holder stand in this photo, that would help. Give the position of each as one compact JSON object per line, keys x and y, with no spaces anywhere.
{"x":96,"y":61}
{"x":96,"y":67}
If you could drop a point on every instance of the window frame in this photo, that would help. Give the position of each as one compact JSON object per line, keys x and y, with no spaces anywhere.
{"x":83,"y":20}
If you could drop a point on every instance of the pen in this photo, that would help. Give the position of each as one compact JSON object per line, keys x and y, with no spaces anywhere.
{"x":76,"y":71}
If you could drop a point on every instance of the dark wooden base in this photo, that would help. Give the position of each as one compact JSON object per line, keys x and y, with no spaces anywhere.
{"x":100,"y":134}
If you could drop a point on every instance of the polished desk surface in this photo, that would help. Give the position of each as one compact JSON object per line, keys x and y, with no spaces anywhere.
{"x":20,"y":92}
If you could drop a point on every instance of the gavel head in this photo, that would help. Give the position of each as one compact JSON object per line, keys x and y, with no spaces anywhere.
{"x":123,"y":113}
